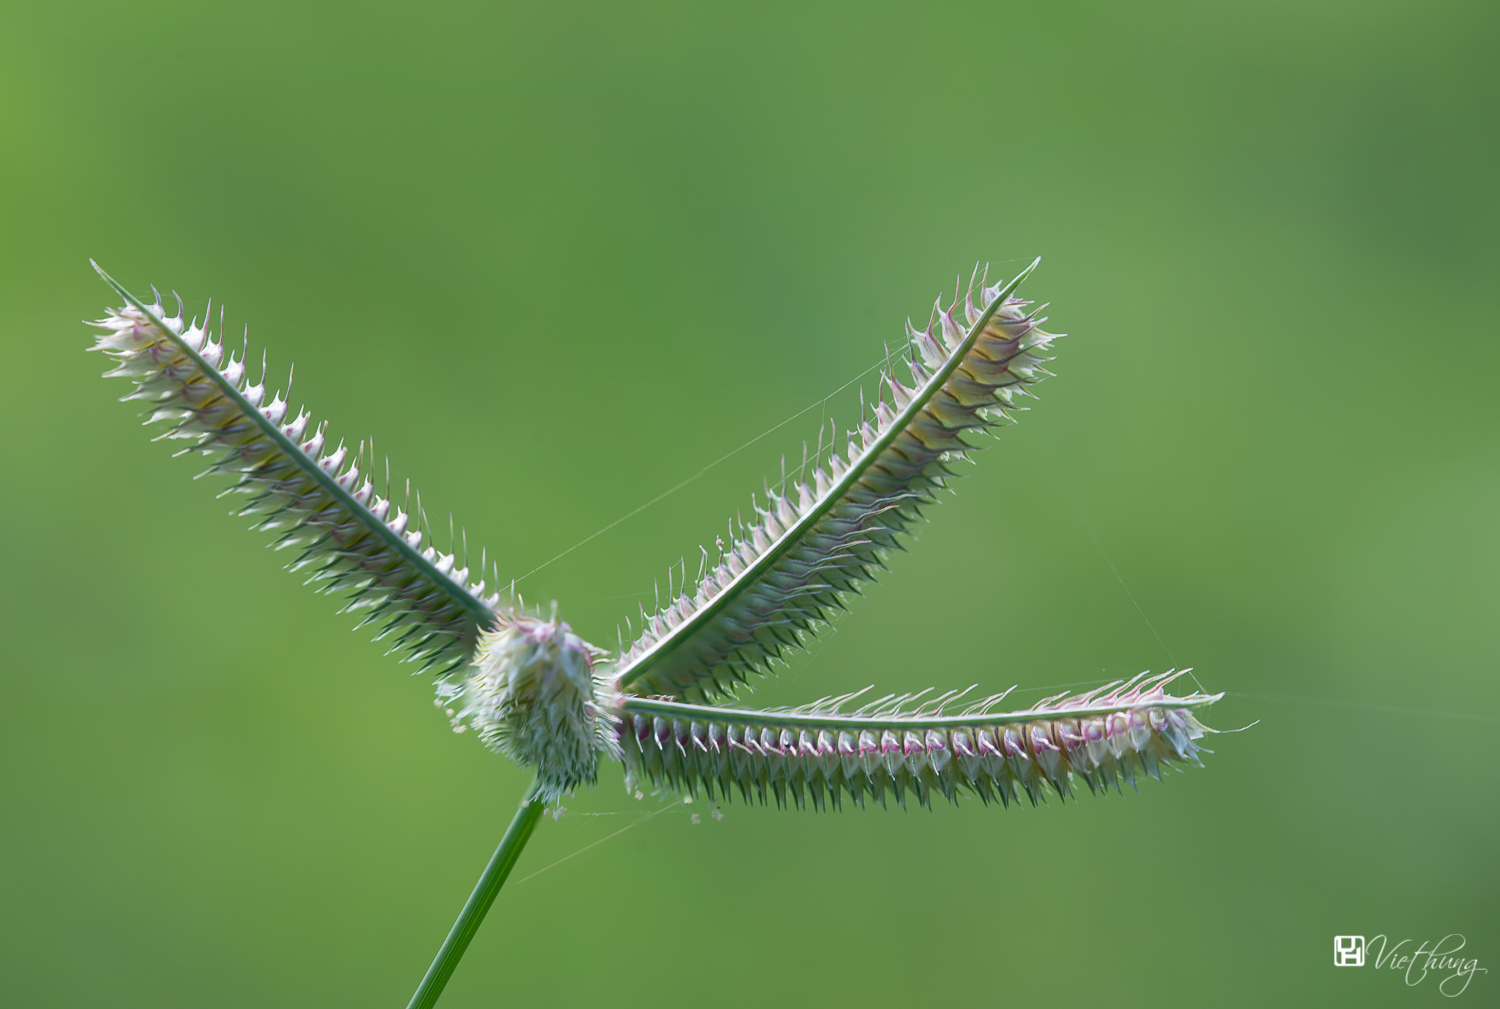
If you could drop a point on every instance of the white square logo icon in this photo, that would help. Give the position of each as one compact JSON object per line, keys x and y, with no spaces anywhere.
{"x":1349,"y":950}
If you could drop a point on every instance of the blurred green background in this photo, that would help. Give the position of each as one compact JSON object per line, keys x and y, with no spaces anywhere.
{"x":557,"y":260}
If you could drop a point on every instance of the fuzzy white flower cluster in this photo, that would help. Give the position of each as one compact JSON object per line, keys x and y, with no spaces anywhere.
{"x":532,"y":695}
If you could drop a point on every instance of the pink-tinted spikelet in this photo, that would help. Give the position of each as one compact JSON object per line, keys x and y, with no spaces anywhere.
{"x":819,"y":536}
{"x":319,"y":499}
{"x":818,"y":755}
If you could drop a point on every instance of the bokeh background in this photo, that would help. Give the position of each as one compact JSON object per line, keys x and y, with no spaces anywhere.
{"x":558,"y":259}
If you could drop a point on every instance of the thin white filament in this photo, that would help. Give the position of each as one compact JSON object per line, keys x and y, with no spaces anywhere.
{"x":1116,"y":571}
{"x":668,"y":493}
{"x":595,"y":844}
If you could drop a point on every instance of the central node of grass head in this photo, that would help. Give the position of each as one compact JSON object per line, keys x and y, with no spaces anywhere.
{"x":532,"y":695}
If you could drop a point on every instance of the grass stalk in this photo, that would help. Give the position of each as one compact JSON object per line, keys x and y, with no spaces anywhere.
{"x":478,"y":904}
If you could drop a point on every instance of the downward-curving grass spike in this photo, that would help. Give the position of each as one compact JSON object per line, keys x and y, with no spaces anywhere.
{"x":817,"y":540}
{"x":316,"y":499}
{"x":816,"y":755}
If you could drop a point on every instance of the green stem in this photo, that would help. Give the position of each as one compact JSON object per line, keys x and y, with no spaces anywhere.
{"x":479,"y":902}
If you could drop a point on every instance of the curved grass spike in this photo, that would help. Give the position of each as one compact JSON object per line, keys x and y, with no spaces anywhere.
{"x":781,"y":577}
{"x":318,"y":501}
{"x":816,"y":755}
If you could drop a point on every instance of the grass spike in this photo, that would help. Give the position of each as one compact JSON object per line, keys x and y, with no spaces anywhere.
{"x":176,"y":367}
{"x":1100,"y":738}
{"x":783,"y":560}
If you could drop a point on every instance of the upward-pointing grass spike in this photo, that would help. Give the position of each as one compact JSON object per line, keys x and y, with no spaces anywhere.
{"x":795,"y":561}
{"x":180,"y":374}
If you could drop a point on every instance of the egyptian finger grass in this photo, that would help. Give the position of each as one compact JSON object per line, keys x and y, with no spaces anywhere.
{"x":662,"y":703}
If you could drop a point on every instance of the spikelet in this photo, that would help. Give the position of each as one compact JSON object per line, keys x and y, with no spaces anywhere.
{"x":532,"y":695}
{"x":315,"y":498}
{"x":816,"y":755}
{"x":814,"y":541}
